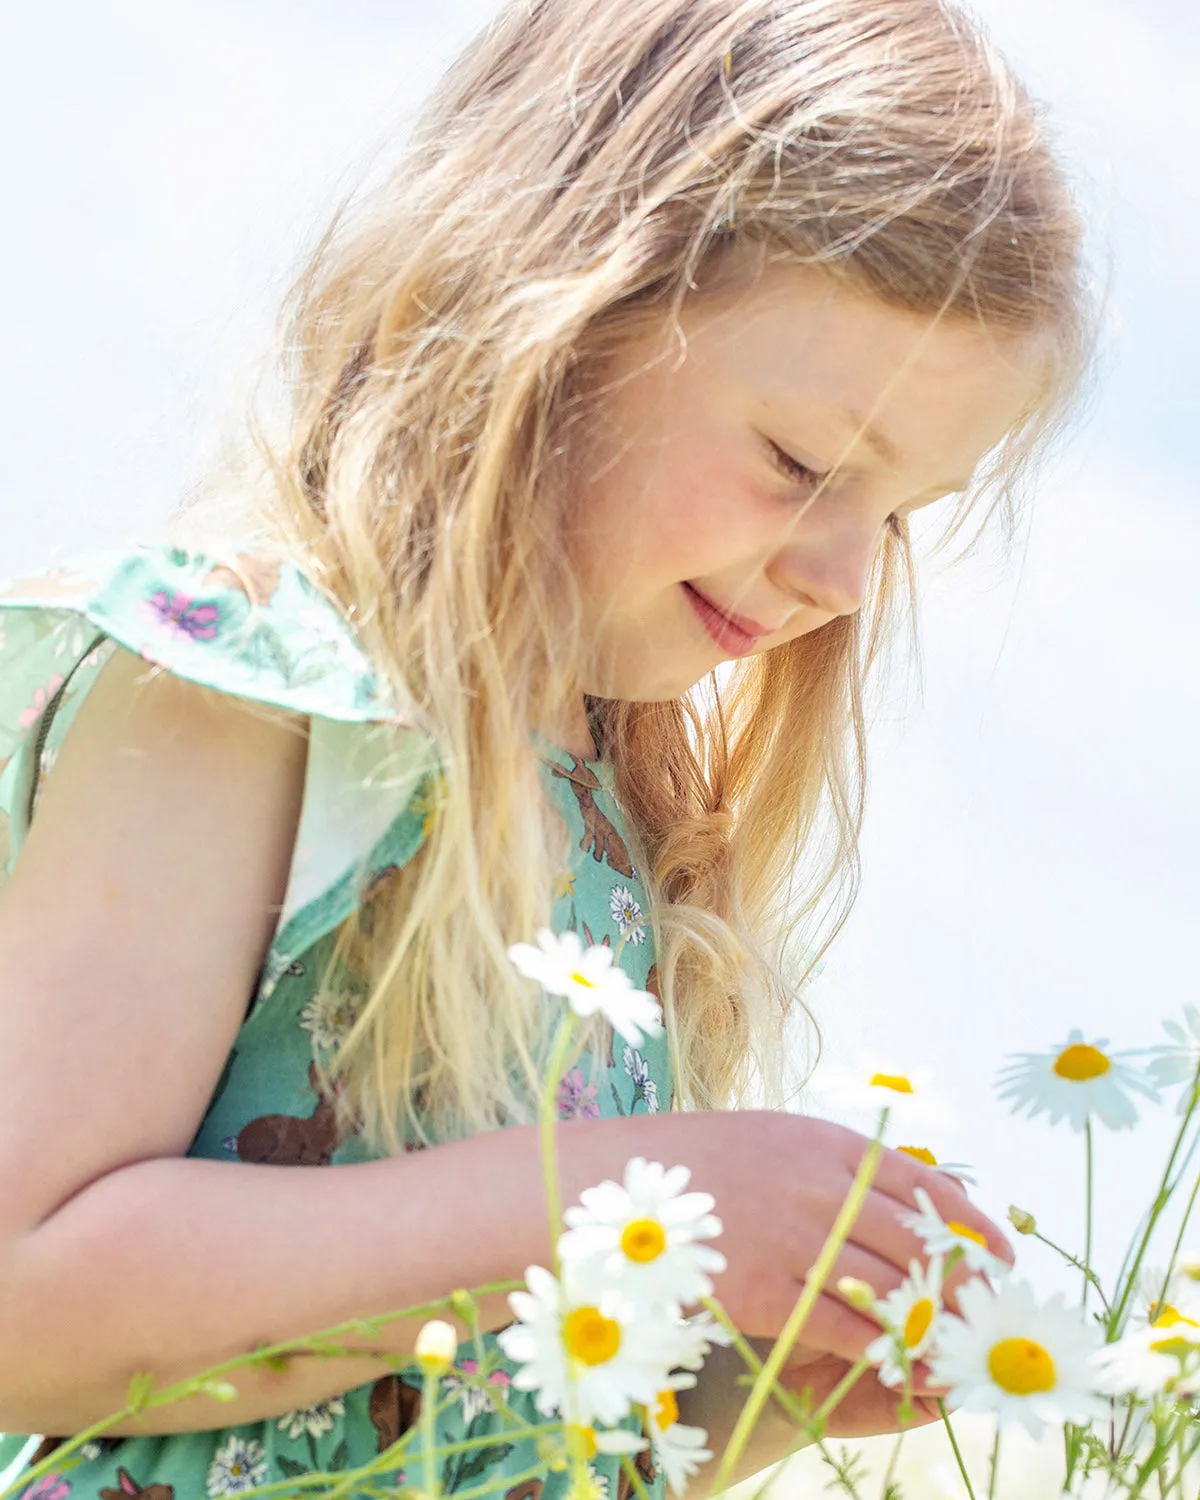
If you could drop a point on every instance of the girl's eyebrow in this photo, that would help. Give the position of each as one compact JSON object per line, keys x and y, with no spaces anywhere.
{"x":873,"y":437}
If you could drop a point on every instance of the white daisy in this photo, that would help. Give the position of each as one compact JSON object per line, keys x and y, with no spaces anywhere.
{"x":314,"y":1420}
{"x":590,"y":982}
{"x":958,"y":1169}
{"x":236,"y":1466}
{"x":680,"y":1449}
{"x":1179,"y":1062}
{"x":587,"y":1484}
{"x":644,"y":1087}
{"x":626,"y":912}
{"x":1159,"y":1359}
{"x":875,"y":1084}
{"x":941,"y":1236}
{"x":909,"y":1316}
{"x":646,"y":1235}
{"x":1023,"y":1361}
{"x":585,"y":1351}
{"x":331,"y":1016}
{"x":692,"y":1339}
{"x":1155,"y":1293}
{"x":1074,"y":1082}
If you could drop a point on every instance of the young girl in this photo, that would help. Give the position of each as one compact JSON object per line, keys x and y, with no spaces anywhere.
{"x":673,"y":314}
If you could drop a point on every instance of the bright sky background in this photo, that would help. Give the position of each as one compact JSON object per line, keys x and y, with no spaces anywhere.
{"x":1030,"y":859}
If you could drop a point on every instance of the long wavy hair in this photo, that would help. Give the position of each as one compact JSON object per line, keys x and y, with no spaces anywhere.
{"x":571,"y":181}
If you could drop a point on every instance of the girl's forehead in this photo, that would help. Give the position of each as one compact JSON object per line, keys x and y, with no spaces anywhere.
{"x":826,"y":361}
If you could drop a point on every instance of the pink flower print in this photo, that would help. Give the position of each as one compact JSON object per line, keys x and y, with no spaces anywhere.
{"x":49,"y":1487}
{"x":29,"y":716}
{"x":576,"y":1099}
{"x":181,"y":614}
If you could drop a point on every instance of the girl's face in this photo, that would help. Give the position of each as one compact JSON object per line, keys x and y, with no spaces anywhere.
{"x":699,"y":528}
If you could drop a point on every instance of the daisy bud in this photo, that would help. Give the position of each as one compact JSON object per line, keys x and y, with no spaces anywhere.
{"x":219,"y":1390}
{"x":464,"y":1306}
{"x":1189,"y":1266}
{"x":859,"y":1294}
{"x":436,"y":1346}
{"x":1021,"y":1221}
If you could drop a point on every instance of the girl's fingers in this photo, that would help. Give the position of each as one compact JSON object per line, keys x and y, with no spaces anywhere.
{"x":899,"y":1177}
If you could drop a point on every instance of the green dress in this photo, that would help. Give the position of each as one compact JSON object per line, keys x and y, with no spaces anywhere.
{"x":261,"y":631}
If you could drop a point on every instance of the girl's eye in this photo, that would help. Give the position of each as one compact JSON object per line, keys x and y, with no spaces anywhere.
{"x":793,"y":468}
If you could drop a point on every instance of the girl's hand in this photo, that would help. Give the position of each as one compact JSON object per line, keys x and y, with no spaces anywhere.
{"x":867,"y":1408}
{"x":779,"y":1181}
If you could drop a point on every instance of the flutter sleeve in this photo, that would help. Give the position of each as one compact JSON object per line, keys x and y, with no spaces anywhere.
{"x":253,"y":626}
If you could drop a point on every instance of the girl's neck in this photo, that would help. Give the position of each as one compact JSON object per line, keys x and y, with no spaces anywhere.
{"x":572,"y":733}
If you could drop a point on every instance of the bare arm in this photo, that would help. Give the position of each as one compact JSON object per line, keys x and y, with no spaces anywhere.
{"x":131,"y":935}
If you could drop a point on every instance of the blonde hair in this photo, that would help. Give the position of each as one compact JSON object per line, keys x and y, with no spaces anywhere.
{"x":576,"y":173}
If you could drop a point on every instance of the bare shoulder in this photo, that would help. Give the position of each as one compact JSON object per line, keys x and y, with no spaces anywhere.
{"x":134,"y":926}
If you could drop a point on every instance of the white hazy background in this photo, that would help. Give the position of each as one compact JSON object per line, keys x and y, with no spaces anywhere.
{"x":1030,"y":856}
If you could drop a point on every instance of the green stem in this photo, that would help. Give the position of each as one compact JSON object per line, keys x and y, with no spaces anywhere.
{"x":995,"y":1469}
{"x":800,"y":1313}
{"x":894,"y":1458}
{"x":1160,"y":1202}
{"x":848,"y":1381}
{"x":429,"y":1466}
{"x":1088,"y":1274}
{"x":962,"y":1468}
{"x":635,"y":1479}
{"x":843,"y":1476}
{"x":549,"y":1125}
{"x":1087,"y":1243}
{"x":1187,"y":1214}
{"x":783,"y":1398}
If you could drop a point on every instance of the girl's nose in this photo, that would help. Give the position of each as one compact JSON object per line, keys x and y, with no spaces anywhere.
{"x":828,"y":571}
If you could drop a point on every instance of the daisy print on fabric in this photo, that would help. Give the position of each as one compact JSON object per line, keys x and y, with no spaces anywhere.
{"x":1074,"y":1082}
{"x":236,"y":1466}
{"x":645,"y":1090}
{"x":315,"y":1421}
{"x":330,"y":1016}
{"x":473,"y":1397}
{"x":626,"y":912}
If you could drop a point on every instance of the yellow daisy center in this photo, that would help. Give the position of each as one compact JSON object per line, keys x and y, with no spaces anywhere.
{"x":590,"y":1337}
{"x":1169,"y":1317}
{"x":643,"y":1240}
{"x":919,"y":1153}
{"x":964,"y":1233}
{"x":582,"y":1440}
{"x":1180,"y":1348}
{"x":1079,"y":1063}
{"x":893,"y":1081}
{"x":916,"y":1325}
{"x":588,"y":984}
{"x":666,"y":1410}
{"x":1021,"y":1367}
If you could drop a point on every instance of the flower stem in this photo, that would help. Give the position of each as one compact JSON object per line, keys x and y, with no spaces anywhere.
{"x":563,"y":1039}
{"x":962,"y":1468}
{"x":1087,"y":1242}
{"x":429,"y":1468}
{"x":1161,"y":1197}
{"x":799,"y":1314}
{"x":995,"y":1468}
{"x":1088,"y":1273}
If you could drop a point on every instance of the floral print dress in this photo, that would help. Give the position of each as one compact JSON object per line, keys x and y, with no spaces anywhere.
{"x":260,"y":630}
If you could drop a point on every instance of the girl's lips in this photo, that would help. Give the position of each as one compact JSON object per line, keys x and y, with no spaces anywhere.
{"x":730,"y":637}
